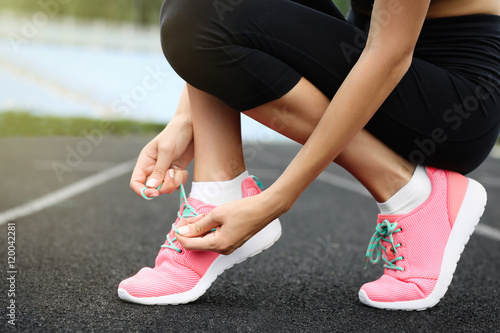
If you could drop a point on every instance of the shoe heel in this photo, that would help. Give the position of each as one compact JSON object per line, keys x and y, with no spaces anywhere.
{"x":467,"y":219}
{"x":471,"y":210}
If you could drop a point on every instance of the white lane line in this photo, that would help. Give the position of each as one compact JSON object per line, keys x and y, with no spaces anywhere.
{"x":353,"y":186}
{"x":487,"y":231}
{"x":66,"y":192}
{"x":344,"y":183}
{"x":85,"y":166}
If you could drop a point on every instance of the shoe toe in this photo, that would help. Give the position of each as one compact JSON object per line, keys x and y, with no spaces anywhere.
{"x":149,"y":282}
{"x":390,"y":289}
{"x":140,"y":285}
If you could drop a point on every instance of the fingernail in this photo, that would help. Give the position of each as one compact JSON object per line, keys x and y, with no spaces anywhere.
{"x":151,"y":182}
{"x":171,"y":173}
{"x":153,"y":195}
{"x":184,"y":230}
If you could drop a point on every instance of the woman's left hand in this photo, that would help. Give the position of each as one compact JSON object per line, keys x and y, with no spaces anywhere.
{"x":234,"y":223}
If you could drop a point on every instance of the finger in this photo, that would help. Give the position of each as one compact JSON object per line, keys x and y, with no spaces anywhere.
{"x":149,"y":193}
{"x":195,"y":233}
{"x":197,"y":226}
{"x":174,"y":178}
{"x":168,"y":183}
{"x":138,"y":186}
{"x":180,"y":177}
{"x":160,"y":169}
{"x":139,"y":175}
{"x":187,"y":220}
{"x":208,"y":242}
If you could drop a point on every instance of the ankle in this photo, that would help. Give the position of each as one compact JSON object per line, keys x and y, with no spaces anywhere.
{"x":218,"y":192}
{"x":414,"y":193}
{"x":393,"y":181}
{"x":220,"y":175}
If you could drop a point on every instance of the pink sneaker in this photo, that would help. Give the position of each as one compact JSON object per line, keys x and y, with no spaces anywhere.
{"x":181,"y":276}
{"x":421,"y":249}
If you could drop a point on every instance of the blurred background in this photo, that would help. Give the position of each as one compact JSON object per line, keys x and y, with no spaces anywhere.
{"x":89,"y":59}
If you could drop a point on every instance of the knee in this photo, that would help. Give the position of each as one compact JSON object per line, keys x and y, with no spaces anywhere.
{"x":184,"y":26}
{"x":176,"y":29}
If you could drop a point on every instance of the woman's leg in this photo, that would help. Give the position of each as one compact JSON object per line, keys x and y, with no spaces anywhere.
{"x":218,"y":154}
{"x":180,"y":275}
{"x":381,"y":171}
{"x":260,"y":70}
{"x":218,"y":147}
{"x":421,"y":246}
{"x":255,"y":52}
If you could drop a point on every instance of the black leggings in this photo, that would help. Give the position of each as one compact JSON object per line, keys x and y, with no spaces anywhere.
{"x":445,"y":112}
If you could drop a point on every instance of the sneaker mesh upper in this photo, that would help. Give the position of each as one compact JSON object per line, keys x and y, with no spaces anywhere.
{"x":423,"y":238}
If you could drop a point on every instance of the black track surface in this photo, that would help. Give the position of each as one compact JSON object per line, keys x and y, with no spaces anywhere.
{"x":72,"y":256}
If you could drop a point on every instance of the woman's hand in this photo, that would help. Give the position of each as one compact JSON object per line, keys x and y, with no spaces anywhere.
{"x":163,"y":160}
{"x":234,"y":223}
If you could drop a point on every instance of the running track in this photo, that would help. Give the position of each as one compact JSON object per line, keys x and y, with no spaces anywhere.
{"x":82,"y":231}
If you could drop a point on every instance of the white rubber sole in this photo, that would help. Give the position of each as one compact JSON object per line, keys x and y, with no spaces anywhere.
{"x":258,"y":243}
{"x":468,"y":217}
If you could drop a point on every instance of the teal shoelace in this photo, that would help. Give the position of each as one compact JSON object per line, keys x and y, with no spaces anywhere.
{"x":384,"y":232}
{"x":187,"y":211}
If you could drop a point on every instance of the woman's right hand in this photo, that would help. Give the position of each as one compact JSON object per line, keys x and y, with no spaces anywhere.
{"x":164,"y":159}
